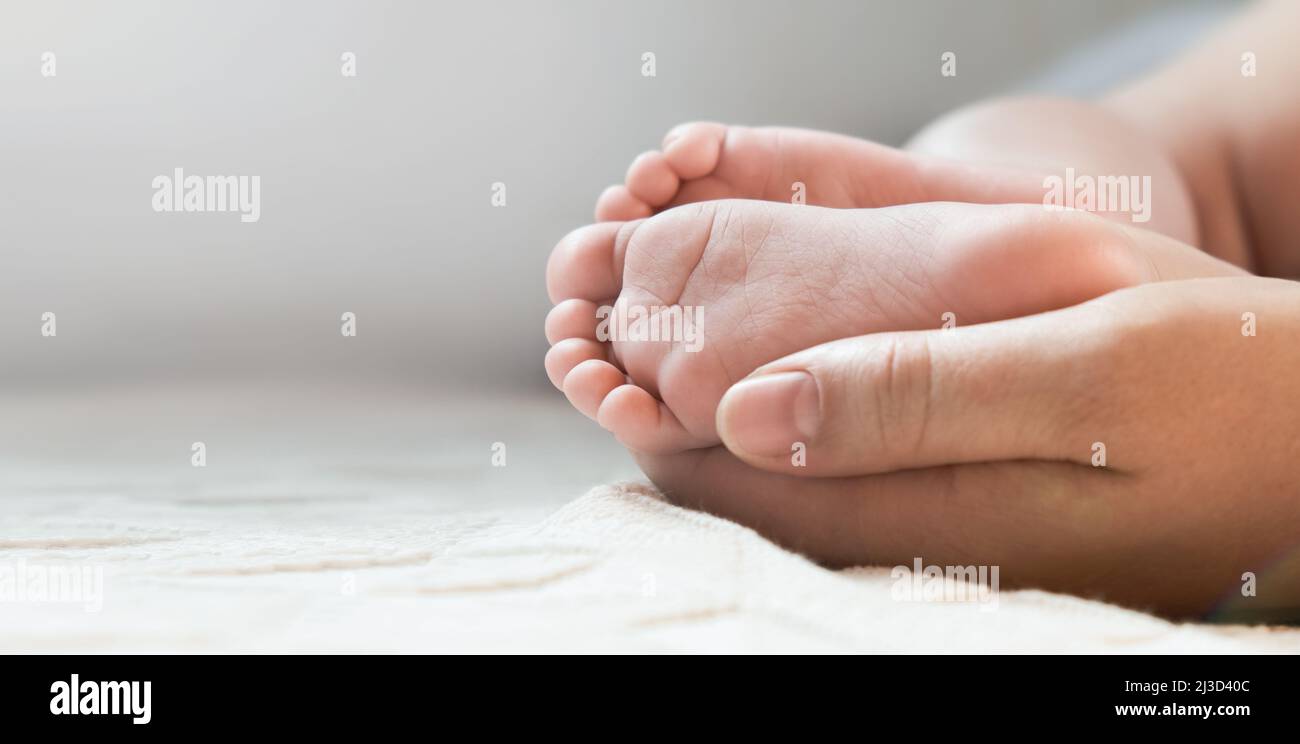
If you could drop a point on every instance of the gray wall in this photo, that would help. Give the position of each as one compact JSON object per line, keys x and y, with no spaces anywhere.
{"x":375,"y":190}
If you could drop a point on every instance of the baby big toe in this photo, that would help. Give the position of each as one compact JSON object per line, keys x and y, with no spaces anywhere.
{"x":585,"y":264}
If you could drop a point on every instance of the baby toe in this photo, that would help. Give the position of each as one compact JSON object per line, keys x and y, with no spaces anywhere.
{"x":569,"y":353}
{"x":572,"y":319}
{"x":693,"y":150}
{"x":589,"y":383}
{"x":616,"y":203}
{"x":644,"y":424}
{"x":651,"y":180}
{"x":583,"y":264}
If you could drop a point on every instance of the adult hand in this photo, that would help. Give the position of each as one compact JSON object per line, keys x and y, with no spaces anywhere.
{"x":1144,"y":445}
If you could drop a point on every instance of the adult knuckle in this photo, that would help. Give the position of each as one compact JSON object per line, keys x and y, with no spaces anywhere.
{"x":902,"y":389}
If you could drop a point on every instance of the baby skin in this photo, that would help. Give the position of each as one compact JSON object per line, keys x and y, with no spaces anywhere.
{"x":768,"y":278}
{"x":704,"y":161}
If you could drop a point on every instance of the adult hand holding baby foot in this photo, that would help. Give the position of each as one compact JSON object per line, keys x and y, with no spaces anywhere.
{"x":1140,"y":447}
{"x":972,"y":444}
{"x":1135,"y":446}
{"x":771,"y":279}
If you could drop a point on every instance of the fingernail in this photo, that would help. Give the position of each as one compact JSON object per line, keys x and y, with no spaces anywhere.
{"x":766,"y":415}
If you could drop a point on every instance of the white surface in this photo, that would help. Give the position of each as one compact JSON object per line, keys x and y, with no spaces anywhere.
{"x":336,"y":519}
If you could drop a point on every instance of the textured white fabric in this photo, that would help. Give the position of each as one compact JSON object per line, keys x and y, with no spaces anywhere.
{"x":335,"y":520}
{"x":617,"y":569}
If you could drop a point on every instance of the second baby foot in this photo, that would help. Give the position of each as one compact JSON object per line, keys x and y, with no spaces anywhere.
{"x":703,"y":161}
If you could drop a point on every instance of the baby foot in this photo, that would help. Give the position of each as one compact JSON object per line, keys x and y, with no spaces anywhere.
{"x":704,"y":161}
{"x":754,"y":281}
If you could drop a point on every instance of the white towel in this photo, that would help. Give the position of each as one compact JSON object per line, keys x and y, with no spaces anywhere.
{"x":618,"y":569}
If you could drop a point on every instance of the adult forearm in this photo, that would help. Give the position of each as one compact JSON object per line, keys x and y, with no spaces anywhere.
{"x":1228,"y":114}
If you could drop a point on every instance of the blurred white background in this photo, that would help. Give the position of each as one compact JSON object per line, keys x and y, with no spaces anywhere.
{"x":375,"y":189}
